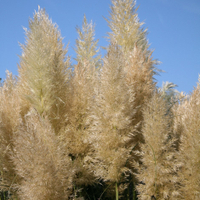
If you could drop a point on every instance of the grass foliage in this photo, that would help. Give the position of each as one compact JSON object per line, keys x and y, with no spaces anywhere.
{"x":98,"y":129}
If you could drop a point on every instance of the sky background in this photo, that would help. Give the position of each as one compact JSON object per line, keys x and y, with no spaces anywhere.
{"x":173,"y":27}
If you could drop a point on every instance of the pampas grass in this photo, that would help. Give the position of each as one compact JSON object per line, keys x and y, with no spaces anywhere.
{"x":189,"y":153}
{"x":99,"y":129}
{"x":44,"y":168}
{"x":158,"y":171}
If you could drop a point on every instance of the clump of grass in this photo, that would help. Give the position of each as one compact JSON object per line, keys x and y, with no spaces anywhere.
{"x":44,"y":168}
{"x":158,"y":171}
{"x":101,"y":130}
{"x":189,"y":150}
{"x":10,"y":118}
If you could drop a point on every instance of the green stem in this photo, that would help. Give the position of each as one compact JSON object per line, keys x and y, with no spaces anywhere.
{"x":75,"y":192}
{"x":116,"y":190}
{"x":12,"y":183}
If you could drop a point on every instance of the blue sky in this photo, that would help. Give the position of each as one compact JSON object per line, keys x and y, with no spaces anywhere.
{"x":173,"y":26}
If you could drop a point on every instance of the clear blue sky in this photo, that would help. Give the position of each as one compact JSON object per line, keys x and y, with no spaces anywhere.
{"x":173,"y":26}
